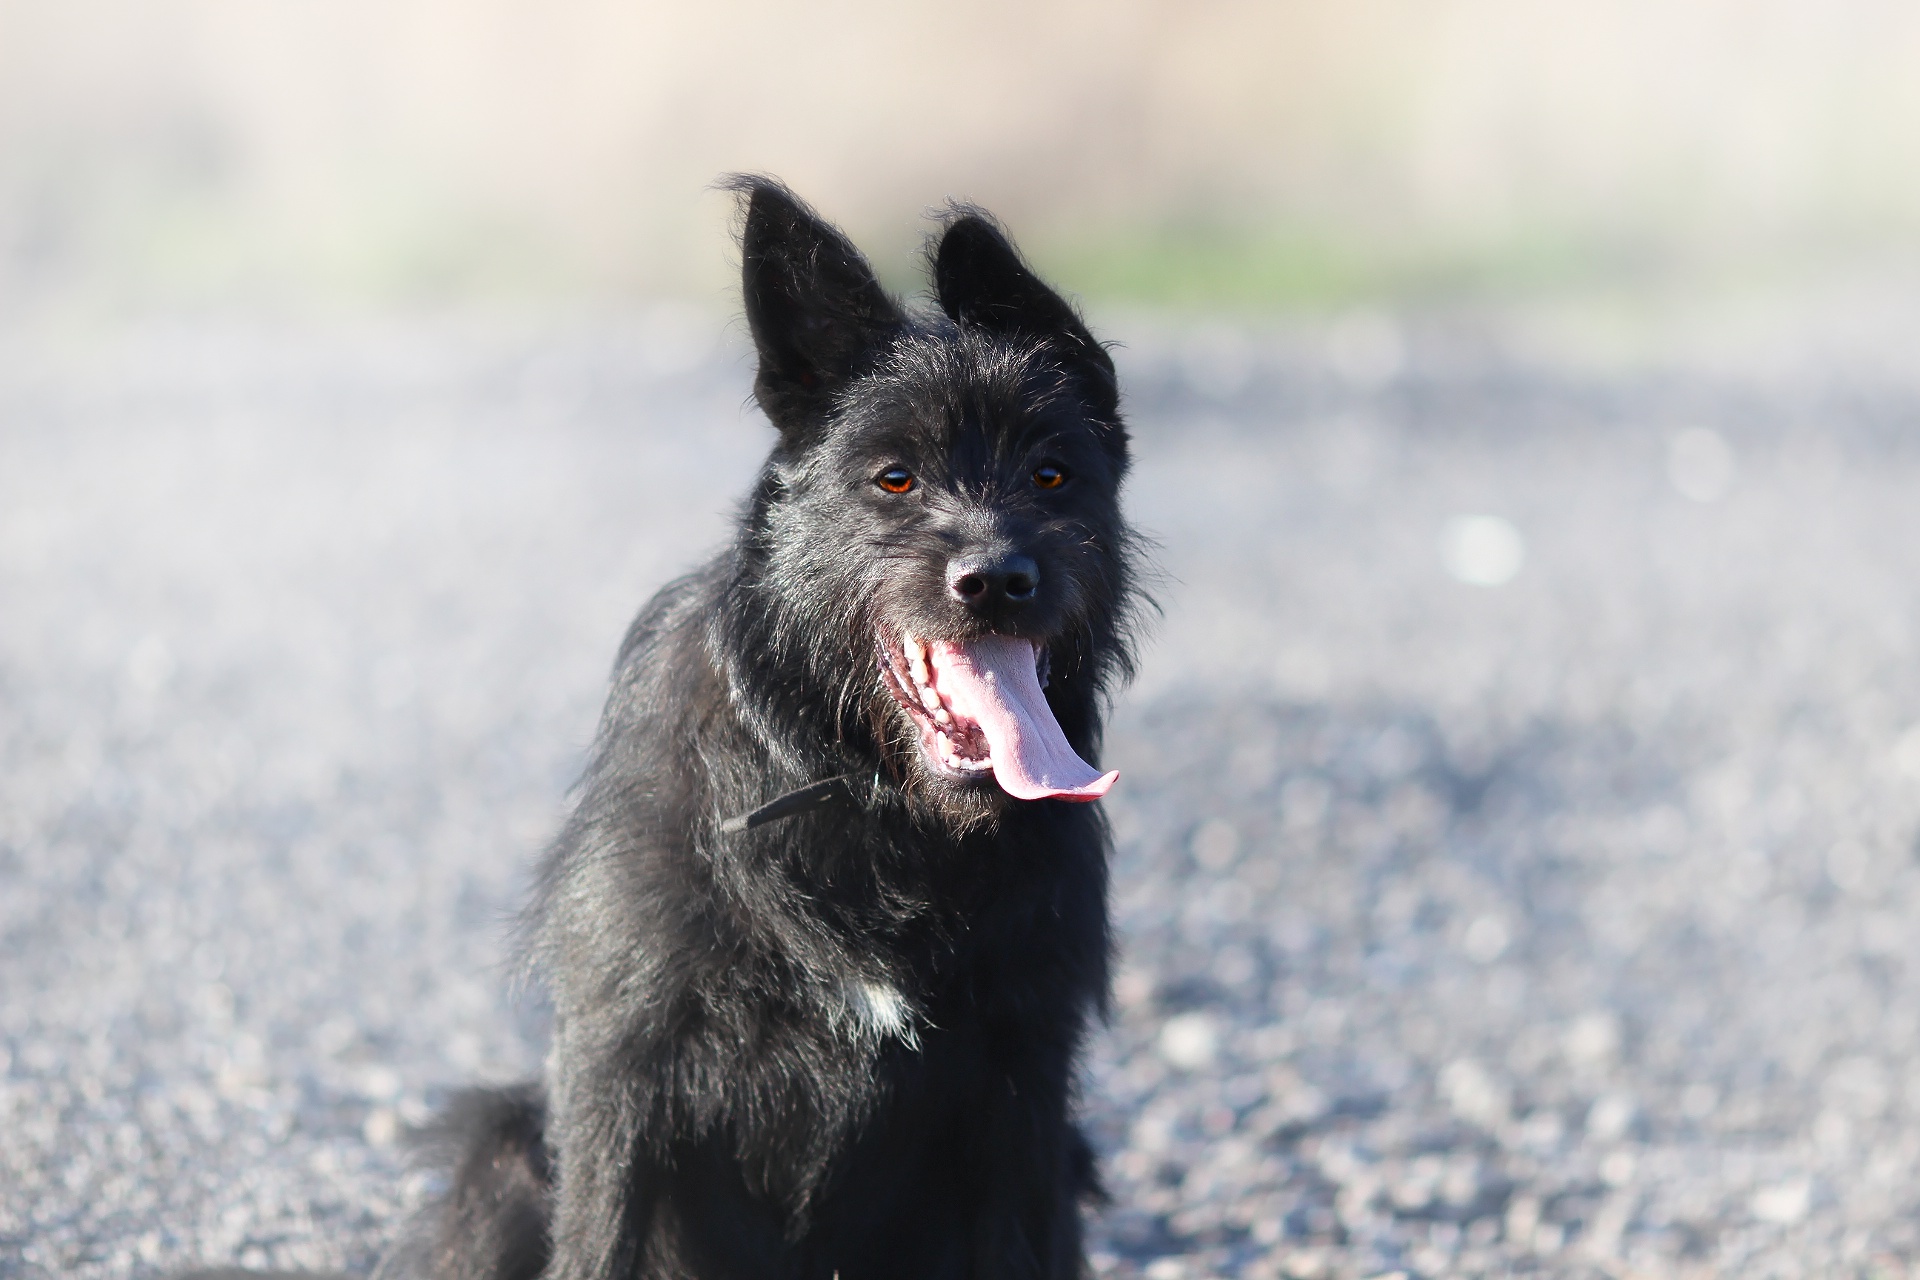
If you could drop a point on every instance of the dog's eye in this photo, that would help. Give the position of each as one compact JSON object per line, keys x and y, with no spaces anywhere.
{"x":895,"y":480}
{"x":1048,"y":476}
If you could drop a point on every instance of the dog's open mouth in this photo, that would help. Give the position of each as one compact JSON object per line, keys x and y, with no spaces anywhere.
{"x":979,"y":709}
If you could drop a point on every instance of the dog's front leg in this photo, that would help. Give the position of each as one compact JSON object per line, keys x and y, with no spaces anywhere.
{"x":1035,"y":1172}
{"x":606,"y":1194}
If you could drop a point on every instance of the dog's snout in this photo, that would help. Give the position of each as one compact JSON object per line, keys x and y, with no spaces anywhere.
{"x":988,"y":583}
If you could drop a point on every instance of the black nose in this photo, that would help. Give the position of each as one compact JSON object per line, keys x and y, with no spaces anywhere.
{"x":984,"y":583}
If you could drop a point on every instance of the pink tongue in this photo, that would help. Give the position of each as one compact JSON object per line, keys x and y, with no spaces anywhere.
{"x":992,"y":682}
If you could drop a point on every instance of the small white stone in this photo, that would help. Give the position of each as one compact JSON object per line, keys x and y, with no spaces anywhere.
{"x":1482,"y":551}
{"x":1593,"y":1039}
{"x":1473,"y":1093}
{"x":1610,"y":1116}
{"x":1190,"y":1041}
{"x":1522,"y":1219}
{"x":1906,"y":753}
{"x":1486,"y":939}
{"x":382,"y":1127}
{"x":1783,"y":1203}
{"x":380,"y":1082}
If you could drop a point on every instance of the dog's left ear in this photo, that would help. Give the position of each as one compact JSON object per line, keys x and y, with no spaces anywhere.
{"x":983,"y":284}
{"x":817,"y":312}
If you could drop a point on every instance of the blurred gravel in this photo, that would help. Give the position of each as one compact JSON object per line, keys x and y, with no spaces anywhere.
{"x":1517,"y":830}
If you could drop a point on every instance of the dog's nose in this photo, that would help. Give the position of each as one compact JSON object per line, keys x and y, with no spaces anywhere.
{"x":985,"y":583}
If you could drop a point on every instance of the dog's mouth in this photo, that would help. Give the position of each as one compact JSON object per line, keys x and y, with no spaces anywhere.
{"x":980,"y":711}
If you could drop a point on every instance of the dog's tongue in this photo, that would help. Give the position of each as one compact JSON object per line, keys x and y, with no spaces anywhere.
{"x":991,"y":681}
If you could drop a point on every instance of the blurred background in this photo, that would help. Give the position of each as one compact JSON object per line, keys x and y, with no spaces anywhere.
{"x":301,"y":154}
{"x":1518,"y":840}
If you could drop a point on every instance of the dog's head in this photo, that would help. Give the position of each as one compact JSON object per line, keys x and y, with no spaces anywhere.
{"x":937,"y":539}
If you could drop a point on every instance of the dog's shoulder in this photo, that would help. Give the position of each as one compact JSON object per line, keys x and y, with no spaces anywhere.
{"x":664,"y":665}
{"x":676,"y":614}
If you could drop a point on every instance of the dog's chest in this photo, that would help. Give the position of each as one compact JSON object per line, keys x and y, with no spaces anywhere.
{"x":874,"y":1011}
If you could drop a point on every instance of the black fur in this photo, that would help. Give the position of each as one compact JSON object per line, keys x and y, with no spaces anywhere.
{"x":841,"y":1044}
{"x":492,"y":1224}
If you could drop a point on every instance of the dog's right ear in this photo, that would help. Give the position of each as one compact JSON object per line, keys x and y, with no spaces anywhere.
{"x":817,"y":312}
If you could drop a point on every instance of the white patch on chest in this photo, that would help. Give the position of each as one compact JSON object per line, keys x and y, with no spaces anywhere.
{"x":877,"y":1010}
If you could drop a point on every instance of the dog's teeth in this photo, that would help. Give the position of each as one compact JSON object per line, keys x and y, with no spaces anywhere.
{"x":941,"y":717}
{"x":916,"y":659}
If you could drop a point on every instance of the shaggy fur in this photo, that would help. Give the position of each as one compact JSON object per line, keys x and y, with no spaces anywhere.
{"x":841,"y":1044}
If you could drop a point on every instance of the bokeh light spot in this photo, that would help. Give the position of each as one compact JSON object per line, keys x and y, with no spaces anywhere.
{"x":1483,"y":551}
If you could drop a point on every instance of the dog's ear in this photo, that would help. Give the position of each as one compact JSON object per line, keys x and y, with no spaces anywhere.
{"x":983,"y":284}
{"x":818,"y":314}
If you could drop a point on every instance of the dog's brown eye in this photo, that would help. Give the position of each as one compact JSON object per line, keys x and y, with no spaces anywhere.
{"x":895,"y":480}
{"x":1049,"y":476}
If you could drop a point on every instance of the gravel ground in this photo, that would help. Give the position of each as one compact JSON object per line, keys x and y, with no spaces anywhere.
{"x":1518,"y":813}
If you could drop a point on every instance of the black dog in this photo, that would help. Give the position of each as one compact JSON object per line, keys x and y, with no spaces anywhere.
{"x":825,"y":930}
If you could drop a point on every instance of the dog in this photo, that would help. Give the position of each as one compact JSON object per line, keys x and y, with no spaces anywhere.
{"x":827,"y":926}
